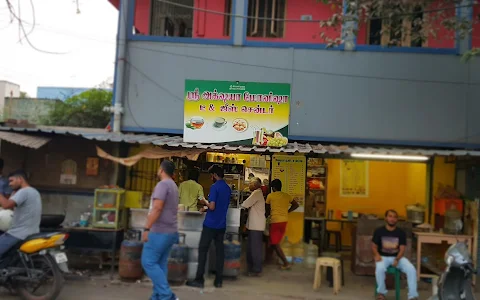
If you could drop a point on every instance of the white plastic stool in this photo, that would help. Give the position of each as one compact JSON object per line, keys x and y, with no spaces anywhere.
{"x":324,"y":262}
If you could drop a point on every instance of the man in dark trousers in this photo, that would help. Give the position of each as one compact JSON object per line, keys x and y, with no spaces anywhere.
{"x":214,"y":227}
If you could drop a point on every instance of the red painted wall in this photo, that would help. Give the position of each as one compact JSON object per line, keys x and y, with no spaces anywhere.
{"x":444,"y":38}
{"x":476,"y":27}
{"x":209,"y":25}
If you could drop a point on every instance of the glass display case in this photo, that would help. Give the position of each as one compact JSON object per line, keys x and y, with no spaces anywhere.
{"x":109,"y":209}
{"x":316,"y":187}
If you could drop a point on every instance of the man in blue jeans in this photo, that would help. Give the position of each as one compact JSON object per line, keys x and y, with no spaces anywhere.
{"x":160,"y":232}
{"x":388,"y":245}
{"x":214,"y":228}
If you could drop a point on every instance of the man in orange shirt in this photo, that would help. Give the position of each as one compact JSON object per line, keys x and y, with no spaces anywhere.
{"x":279,"y":205}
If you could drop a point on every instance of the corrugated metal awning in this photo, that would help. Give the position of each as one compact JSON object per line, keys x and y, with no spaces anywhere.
{"x":25,"y":140}
{"x":177,"y":141}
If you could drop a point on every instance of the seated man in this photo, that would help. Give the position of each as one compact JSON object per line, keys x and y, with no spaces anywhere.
{"x":388,"y":249}
{"x":27,"y":206}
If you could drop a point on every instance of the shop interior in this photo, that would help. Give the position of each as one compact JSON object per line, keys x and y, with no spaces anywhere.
{"x":342,"y":202}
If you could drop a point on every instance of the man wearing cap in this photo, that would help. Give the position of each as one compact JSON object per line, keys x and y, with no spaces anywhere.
{"x":160,"y":232}
{"x":214,"y":228}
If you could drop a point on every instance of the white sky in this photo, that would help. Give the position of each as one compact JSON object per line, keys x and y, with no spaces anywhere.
{"x":88,"y":39}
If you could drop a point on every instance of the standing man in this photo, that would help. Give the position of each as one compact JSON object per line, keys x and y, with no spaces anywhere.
{"x":388,"y":245}
{"x":256,"y":226}
{"x":161,"y":232}
{"x":190,"y":191}
{"x":279,"y":205}
{"x":214,"y":228}
{"x":5,"y":189}
{"x":27,"y":205}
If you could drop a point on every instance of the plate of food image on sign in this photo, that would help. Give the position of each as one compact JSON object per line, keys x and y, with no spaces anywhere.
{"x":232,"y":112}
{"x":240,"y":125}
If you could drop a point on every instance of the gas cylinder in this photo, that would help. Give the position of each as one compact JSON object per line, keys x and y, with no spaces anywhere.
{"x":233,"y":252}
{"x":130,"y":264}
{"x":178,"y":261}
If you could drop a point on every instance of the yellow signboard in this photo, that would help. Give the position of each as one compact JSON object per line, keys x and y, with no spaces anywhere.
{"x":291,"y":170}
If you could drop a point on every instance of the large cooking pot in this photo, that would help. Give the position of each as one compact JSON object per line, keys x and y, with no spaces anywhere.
{"x":51,"y":221}
{"x":416,"y":213}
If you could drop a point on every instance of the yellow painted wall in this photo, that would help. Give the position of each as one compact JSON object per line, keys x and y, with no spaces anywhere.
{"x":392,"y":185}
{"x":295,"y":227}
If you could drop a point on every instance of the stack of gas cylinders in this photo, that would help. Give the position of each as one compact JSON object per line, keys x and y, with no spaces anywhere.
{"x":233,"y":252}
{"x":130,"y":265}
{"x":178,"y":262}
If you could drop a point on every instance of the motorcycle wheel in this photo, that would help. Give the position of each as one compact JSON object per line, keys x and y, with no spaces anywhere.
{"x":50,"y":267}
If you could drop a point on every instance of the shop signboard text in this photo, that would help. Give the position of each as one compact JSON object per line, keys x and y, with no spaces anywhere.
{"x":250,"y":113}
{"x":291,"y":170}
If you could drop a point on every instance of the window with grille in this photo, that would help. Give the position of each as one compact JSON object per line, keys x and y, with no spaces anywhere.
{"x":172,"y":20}
{"x":142,"y":176}
{"x":227,"y":25}
{"x":263,"y":18}
{"x":398,"y":31}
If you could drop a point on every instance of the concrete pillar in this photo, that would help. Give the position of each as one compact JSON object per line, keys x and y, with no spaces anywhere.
{"x":240,"y":8}
{"x":349,"y":27}
{"x":464,"y":11}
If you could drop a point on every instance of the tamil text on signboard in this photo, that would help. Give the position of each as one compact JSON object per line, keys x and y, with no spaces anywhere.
{"x":231,"y":112}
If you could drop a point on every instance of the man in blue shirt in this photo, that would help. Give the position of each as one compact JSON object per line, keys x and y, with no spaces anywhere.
{"x":214,"y":227}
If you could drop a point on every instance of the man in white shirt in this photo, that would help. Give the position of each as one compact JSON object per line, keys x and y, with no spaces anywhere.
{"x":256,"y":226}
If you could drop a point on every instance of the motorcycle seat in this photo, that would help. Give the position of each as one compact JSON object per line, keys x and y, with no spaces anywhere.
{"x":41,"y":235}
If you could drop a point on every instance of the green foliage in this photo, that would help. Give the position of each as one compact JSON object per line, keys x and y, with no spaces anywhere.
{"x":402,"y":22}
{"x":469,"y":55}
{"x":83,"y":110}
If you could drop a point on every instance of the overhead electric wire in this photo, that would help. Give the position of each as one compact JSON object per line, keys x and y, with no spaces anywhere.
{"x":22,"y":29}
{"x":258,"y":65}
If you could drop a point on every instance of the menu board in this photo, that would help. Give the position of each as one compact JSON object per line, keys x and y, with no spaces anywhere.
{"x":353,"y":178}
{"x":291,"y":171}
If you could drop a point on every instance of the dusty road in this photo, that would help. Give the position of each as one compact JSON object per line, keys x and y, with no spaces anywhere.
{"x":104,"y":290}
{"x":75,"y":290}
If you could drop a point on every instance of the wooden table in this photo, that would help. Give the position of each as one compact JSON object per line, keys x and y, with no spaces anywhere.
{"x":437,"y":238}
{"x":323,"y":227}
{"x":343,"y":221}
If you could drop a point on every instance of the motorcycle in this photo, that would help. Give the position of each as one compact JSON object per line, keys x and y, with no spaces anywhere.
{"x":456,"y":281}
{"x":34,"y":262}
